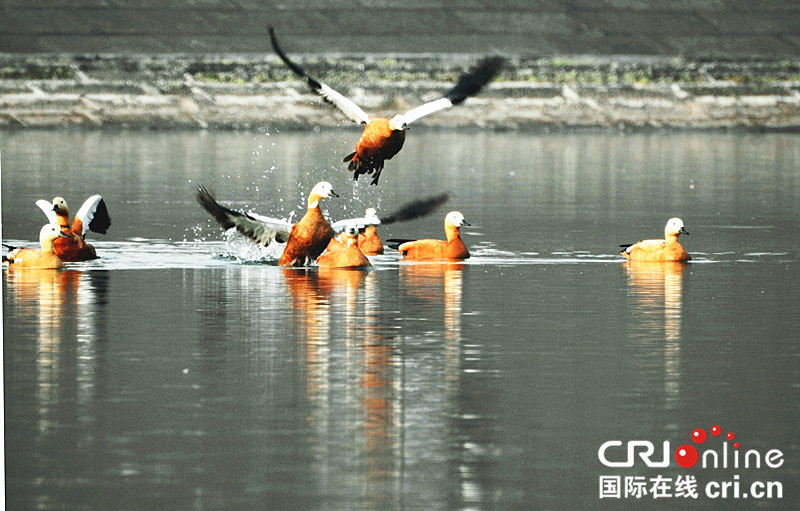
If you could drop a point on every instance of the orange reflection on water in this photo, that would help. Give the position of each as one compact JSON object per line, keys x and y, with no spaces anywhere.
{"x":658,"y":290}
{"x":52,"y":297}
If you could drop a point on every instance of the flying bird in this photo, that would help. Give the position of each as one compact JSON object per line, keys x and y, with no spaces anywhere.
{"x":92,"y":216}
{"x":383,"y":138}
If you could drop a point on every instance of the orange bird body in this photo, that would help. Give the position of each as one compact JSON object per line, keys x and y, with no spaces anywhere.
{"x":305,"y":240}
{"x":452,"y":248}
{"x":383,"y":138}
{"x":93,"y":215}
{"x":378,"y":142}
{"x":44,"y":259}
{"x":308,"y":239}
{"x":343,"y":252}
{"x":668,"y":249}
{"x":369,"y":242}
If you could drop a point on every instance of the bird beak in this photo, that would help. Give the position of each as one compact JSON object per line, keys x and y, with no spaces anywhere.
{"x":332,"y":194}
{"x":55,"y":207}
{"x":464,"y":222}
{"x":684,"y":231}
{"x":61,"y":234}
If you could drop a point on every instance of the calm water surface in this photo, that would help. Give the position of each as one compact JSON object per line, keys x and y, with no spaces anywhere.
{"x":184,"y":370}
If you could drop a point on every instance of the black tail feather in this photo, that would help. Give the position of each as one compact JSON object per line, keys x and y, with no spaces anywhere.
{"x":416,"y":209}
{"x":473,"y":81}
{"x":395,"y":243}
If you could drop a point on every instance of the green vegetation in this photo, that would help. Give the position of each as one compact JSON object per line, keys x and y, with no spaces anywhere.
{"x":37,"y":70}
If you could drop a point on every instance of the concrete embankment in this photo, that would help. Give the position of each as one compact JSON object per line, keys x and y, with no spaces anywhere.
{"x":254,"y":92}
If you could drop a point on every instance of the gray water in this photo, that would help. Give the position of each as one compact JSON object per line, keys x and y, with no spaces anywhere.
{"x":183,"y":370}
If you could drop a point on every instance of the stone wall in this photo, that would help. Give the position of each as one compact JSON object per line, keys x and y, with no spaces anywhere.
{"x":571,"y":63}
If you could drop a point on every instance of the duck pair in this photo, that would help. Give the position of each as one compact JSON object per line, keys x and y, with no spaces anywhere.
{"x":61,"y":241}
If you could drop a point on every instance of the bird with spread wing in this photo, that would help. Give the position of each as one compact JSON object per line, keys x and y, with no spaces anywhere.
{"x":383,"y":138}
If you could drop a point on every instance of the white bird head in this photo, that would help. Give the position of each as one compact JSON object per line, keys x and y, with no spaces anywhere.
{"x":321,"y":190}
{"x":455,"y":218}
{"x":49,"y":233}
{"x":674,"y":227}
{"x":60,"y":206}
{"x":371,"y":215}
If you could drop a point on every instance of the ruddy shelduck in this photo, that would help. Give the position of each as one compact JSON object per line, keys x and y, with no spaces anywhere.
{"x":668,"y":249}
{"x":366,"y":231}
{"x":383,"y":138}
{"x":343,"y":251}
{"x":305,"y":240}
{"x":43,"y":259}
{"x":92,"y":216}
{"x":453,"y":248}
{"x":369,"y":242}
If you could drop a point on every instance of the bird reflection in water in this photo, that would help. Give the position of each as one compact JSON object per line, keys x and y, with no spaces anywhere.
{"x":65,"y":305}
{"x":352,"y":375}
{"x":358,"y":371}
{"x":441,"y":284}
{"x":657,"y":288}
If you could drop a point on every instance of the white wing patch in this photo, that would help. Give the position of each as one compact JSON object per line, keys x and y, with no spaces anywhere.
{"x":359,"y":223}
{"x":87,"y":211}
{"x":426,"y":109}
{"x":347,"y":106}
{"x":47,"y":207}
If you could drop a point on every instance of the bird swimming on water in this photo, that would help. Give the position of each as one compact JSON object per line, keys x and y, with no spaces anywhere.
{"x":43,"y":259}
{"x":343,"y":251}
{"x":668,"y":249}
{"x":92,"y":216}
{"x":453,"y":248}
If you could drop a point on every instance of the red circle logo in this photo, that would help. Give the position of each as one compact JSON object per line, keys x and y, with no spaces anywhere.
{"x":686,"y":456}
{"x":699,"y":435}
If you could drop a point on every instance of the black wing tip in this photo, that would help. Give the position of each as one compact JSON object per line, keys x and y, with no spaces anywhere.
{"x":312,"y":82}
{"x":471,"y":82}
{"x":220,"y":213}
{"x":102,"y":220}
{"x":416,"y":209}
